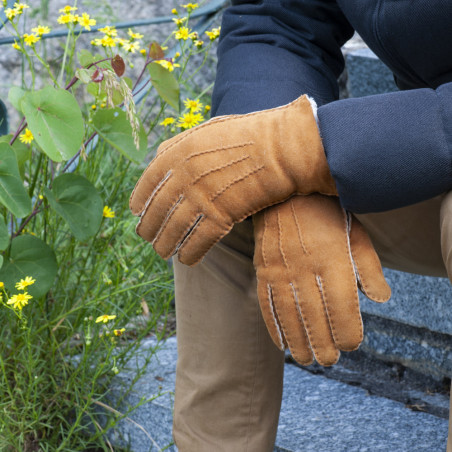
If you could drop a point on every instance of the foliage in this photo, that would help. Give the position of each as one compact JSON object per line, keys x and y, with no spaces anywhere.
{"x":78,"y":289}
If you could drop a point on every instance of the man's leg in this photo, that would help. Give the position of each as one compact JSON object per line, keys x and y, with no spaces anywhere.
{"x":229,"y":372}
{"x":416,"y":239}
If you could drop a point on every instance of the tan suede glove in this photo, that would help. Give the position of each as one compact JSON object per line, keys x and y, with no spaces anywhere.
{"x":309,"y":257}
{"x":206,"y":179}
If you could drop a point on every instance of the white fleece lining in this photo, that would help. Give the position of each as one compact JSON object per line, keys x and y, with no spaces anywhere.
{"x":314,"y":108}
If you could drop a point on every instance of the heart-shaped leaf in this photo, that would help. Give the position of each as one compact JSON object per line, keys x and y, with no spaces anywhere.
{"x":77,"y":201}
{"x":55,"y":119}
{"x":29,"y":256}
{"x":22,"y":151}
{"x":165,"y":83}
{"x":13,"y":194}
{"x":4,"y":235}
{"x":15,"y":95}
{"x":112,"y":125}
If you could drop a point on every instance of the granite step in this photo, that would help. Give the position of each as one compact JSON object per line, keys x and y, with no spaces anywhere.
{"x":318,"y":414}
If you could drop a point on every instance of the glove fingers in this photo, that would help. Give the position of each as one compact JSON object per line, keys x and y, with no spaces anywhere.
{"x":367,"y":264}
{"x":168,"y":238}
{"x":291,"y":322}
{"x":339,"y":294}
{"x":265,"y":295}
{"x":155,"y":207}
{"x":307,"y":295}
{"x":201,"y":237}
{"x":147,"y":187}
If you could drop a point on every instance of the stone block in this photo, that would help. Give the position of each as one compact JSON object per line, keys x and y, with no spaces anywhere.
{"x":420,"y":301}
{"x":367,"y":75}
{"x":318,"y":414}
{"x":323,"y":415}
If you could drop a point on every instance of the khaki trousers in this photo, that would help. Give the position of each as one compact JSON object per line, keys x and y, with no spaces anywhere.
{"x":229,"y":372}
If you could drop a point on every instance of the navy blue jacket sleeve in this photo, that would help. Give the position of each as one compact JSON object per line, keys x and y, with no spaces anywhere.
{"x":389,"y":150}
{"x":272,"y":51}
{"x":384,"y":151}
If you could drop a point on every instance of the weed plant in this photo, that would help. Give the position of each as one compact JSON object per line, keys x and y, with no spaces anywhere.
{"x":79,"y":290}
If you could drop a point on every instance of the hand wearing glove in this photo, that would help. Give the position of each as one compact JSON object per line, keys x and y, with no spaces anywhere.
{"x":206,"y":179}
{"x":310,"y":256}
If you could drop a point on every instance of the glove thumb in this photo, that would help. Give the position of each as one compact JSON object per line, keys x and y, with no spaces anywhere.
{"x":367,"y":265}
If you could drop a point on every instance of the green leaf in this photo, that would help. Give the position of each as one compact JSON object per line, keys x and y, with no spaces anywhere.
{"x":112,"y":125}
{"x":98,"y":91}
{"x":55,"y":119}
{"x":4,"y":235}
{"x":22,"y":151}
{"x":166,"y":84}
{"x":84,"y":75}
{"x":13,"y":194}
{"x":15,"y":97}
{"x":29,"y":256}
{"x":85,"y":57}
{"x":77,"y":201}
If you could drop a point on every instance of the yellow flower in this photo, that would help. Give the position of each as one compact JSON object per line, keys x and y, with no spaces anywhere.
{"x":174,"y":11}
{"x":179,"y":22}
{"x":19,"y":7}
{"x":31,"y":40}
{"x":109,"y":31}
{"x":16,"y":46}
{"x":167,"y":64}
{"x":19,"y":300}
{"x":26,"y":137}
{"x":108,"y":213}
{"x":41,"y":30}
{"x":143,"y":51}
{"x":214,"y":33}
{"x":131,"y":47}
{"x":67,"y":19}
{"x":198,"y":43}
{"x":190,"y":6}
{"x":67,"y":9}
{"x":107,"y":41}
{"x":189,"y":120}
{"x":167,"y":122}
{"x":182,"y":33}
{"x":134,"y":35}
{"x":24,"y":283}
{"x":2,"y":285}
{"x":10,"y":13}
{"x":193,"y":105}
{"x":86,"y":22}
{"x":119,"y":332}
{"x":105,"y":318}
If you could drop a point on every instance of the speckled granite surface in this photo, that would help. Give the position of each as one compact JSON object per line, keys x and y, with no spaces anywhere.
{"x":318,"y":414}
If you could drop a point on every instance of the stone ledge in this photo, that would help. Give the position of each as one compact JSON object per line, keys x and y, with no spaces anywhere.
{"x":318,"y":414}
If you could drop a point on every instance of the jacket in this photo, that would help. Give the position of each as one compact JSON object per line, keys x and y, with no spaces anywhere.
{"x":384,"y":151}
